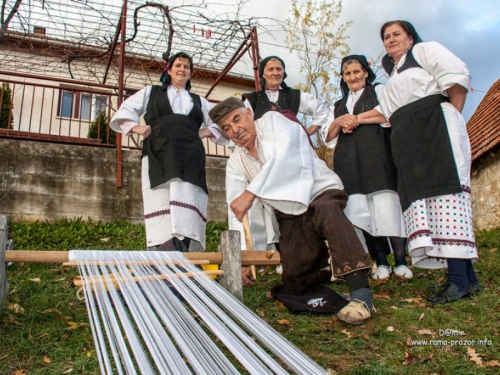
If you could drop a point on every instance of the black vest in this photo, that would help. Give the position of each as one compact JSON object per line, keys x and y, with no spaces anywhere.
{"x":363,"y":158}
{"x":174,"y":147}
{"x":288,"y":99}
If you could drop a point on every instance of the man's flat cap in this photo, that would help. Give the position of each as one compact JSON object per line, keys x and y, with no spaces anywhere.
{"x":224,"y":107}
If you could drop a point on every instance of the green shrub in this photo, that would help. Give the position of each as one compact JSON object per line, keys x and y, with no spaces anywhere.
{"x":99,"y":130}
{"x":6,"y":107}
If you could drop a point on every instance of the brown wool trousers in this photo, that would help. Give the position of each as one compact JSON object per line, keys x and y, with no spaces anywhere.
{"x":302,"y":241}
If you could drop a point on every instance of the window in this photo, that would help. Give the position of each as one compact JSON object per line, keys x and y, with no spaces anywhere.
{"x":100,"y":105}
{"x":39,"y":30}
{"x":81,"y":105}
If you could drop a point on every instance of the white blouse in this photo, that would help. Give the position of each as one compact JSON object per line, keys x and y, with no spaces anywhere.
{"x":129,"y":113}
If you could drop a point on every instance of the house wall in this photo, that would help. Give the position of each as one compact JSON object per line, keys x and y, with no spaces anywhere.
{"x":40,"y":181}
{"x":485,"y":186}
{"x":36,"y":102}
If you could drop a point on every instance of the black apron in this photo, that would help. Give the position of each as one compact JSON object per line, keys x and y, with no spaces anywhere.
{"x":174,"y":147}
{"x":363,"y":158}
{"x":422,"y":151}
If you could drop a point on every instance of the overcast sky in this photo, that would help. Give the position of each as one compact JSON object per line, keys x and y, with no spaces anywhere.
{"x":470,"y":29}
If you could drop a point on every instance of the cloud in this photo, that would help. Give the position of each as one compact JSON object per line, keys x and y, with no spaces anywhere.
{"x":470,"y":29}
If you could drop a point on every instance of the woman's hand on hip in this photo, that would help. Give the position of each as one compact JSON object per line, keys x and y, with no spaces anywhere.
{"x":144,"y":130}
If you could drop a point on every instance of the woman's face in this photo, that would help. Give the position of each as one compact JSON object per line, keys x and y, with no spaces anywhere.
{"x":179,"y":72}
{"x":273,"y":74}
{"x":355,"y":76}
{"x":396,"y":41}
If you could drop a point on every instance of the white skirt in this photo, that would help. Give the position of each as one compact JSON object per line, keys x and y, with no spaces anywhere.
{"x":439,"y":228}
{"x":173,"y":209}
{"x":378,"y":213}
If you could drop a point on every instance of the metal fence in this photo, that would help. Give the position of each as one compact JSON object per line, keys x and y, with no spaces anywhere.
{"x":60,"y":110}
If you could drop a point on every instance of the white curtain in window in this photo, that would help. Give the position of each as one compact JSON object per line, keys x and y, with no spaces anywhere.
{"x":85,"y":106}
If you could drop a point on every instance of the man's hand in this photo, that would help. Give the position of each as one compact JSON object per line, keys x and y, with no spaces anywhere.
{"x":242,"y":204}
{"x":144,"y":130}
{"x":247,"y":280}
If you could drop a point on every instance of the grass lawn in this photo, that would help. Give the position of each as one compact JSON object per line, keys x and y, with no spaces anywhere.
{"x":43,"y":324}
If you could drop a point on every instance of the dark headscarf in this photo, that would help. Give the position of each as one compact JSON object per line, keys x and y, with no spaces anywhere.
{"x":366,"y":66}
{"x":387,"y":61}
{"x":165,"y":77}
{"x":262,"y":66}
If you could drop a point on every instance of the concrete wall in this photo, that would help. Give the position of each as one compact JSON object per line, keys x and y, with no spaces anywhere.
{"x":486,"y":192}
{"x":41,"y":181}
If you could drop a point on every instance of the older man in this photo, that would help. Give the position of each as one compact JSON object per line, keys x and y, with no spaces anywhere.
{"x":274,"y":163}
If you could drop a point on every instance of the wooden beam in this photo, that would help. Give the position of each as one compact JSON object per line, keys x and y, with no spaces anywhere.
{"x":256,"y":257}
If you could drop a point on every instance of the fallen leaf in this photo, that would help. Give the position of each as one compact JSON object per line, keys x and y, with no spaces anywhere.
{"x":495,"y":331}
{"x":284,"y":322}
{"x":493,"y":250}
{"x":46,"y":360}
{"x":394,"y":308}
{"x":366,"y":337}
{"x":347,"y":333}
{"x":42,"y":335}
{"x":493,"y":364}
{"x":422,"y":305}
{"x":421,"y":316}
{"x":19,"y":372}
{"x":13,"y":321}
{"x":374,"y":348}
{"x":74,"y":325}
{"x":442,"y":280}
{"x":35,"y":280}
{"x":15,"y":307}
{"x":104,"y":239}
{"x":426,"y":332}
{"x":280,"y":304}
{"x":382,"y":296}
{"x":89,"y":355}
{"x":409,"y":358}
{"x":474,"y":357}
{"x":426,"y":359}
{"x":328,"y":321}
{"x":68,"y":371}
{"x":408,"y":341}
{"x":390,"y":329}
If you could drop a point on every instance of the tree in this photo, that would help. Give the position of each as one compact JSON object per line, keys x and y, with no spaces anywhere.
{"x":6,"y":116}
{"x":6,"y":18}
{"x":99,"y":130}
{"x":312,"y":34}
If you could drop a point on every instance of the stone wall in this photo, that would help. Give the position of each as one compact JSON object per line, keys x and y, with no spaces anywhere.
{"x":486,"y":192}
{"x":40,"y":181}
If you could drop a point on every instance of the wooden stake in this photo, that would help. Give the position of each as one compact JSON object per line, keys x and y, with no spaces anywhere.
{"x":248,"y":240}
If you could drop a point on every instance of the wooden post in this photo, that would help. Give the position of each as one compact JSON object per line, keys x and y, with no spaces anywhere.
{"x":230,"y":247}
{"x":4,"y":232}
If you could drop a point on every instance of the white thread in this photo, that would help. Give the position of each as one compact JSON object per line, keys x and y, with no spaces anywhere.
{"x":146,"y":328}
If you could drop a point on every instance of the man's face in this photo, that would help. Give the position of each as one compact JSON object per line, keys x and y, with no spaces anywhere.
{"x":239,"y":127}
{"x":273,"y":74}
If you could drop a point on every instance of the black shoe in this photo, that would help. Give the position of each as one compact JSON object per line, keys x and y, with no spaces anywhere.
{"x":449,"y":293}
{"x":474,"y":289}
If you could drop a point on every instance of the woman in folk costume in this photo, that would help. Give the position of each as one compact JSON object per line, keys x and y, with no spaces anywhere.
{"x":173,"y":157}
{"x":363,"y":161}
{"x":275,"y":95}
{"x":423,"y":100}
